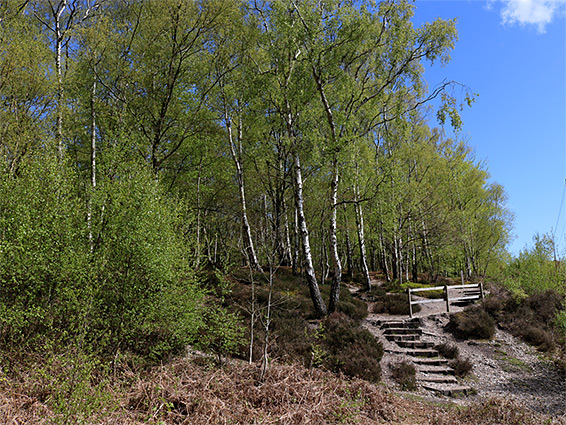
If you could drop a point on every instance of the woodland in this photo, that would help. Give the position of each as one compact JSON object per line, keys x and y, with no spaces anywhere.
{"x":152,"y":153}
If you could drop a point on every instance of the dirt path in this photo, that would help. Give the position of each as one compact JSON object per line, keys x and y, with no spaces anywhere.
{"x":504,"y":367}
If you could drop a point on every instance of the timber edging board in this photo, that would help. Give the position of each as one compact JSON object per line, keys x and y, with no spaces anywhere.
{"x":473,"y":291}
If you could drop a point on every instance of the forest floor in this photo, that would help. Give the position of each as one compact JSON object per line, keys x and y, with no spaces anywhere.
{"x":504,"y":367}
{"x":514,"y":385}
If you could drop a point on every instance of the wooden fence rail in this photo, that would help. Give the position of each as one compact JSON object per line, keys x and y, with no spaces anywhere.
{"x":472,"y":291}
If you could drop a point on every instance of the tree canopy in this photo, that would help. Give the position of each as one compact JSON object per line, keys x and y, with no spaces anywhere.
{"x":142,"y":141}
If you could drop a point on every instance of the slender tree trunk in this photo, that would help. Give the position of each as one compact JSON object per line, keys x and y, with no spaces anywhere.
{"x":59,"y":69}
{"x":362,"y":242}
{"x":361,"y":236}
{"x":252,"y":317}
{"x":336,"y":264}
{"x":235,"y":152}
{"x":92,"y":161}
{"x":349,"y":252}
{"x":295,"y":264}
{"x":267,"y":325}
{"x":318,"y":303}
{"x":384,"y":259}
{"x":324,"y":266}
{"x":197,"y":262}
{"x":288,"y":255}
{"x":335,"y":258}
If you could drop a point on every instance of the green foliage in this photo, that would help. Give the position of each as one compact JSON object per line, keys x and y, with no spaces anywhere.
{"x":535,"y":269}
{"x":73,"y":384}
{"x":125,"y":288}
{"x":221,"y":334}
{"x":44,"y":263}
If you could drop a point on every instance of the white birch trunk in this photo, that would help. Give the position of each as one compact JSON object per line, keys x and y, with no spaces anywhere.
{"x":92,"y":162}
{"x":335,"y":257}
{"x":59,"y":69}
{"x":235,"y":152}
{"x":318,"y":303}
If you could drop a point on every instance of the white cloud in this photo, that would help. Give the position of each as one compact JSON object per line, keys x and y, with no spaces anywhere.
{"x":530,"y":12}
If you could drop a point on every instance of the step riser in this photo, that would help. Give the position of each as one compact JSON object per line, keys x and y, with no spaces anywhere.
{"x":430,"y":362}
{"x":433,"y":372}
{"x":400,"y":325}
{"x":440,"y":371}
{"x":398,"y":338}
{"x":449,"y":392}
{"x":402,"y":331}
{"x":415,"y":344}
{"x":436,"y":380}
{"x":422,"y":353}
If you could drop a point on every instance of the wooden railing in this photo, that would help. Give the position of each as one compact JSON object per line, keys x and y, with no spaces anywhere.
{"x":472,"y":291}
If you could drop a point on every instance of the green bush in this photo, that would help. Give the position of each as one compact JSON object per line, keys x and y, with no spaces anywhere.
{"x":44,"y":261}
{"x":119,"y":282}
{"x":473,"y":322}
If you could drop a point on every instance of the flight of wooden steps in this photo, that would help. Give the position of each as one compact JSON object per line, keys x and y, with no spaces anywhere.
{"x":433,"y":372}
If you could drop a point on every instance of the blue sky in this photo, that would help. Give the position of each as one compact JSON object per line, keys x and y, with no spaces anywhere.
{"x":513,"y":54}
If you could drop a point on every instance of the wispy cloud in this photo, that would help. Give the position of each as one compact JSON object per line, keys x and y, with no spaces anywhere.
{"x":530,"y":12}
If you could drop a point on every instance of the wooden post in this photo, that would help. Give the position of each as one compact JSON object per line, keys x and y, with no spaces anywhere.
{"x":410,"y":304}
{"x":462,"y":275}
{"x":481,"y":290}
{"x":446,"y":298}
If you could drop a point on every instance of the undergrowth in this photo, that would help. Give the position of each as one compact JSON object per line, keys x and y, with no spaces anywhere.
{"x":337,"y":343}
{"x":404,"y":373}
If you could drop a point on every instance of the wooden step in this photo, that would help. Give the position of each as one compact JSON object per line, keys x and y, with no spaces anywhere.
{"x":414,"y":352}
{"x":439,"y":370}
{"x":396,"y":338}
{"x":449,"y":390}
{"x":402,"y":331}
{"x":430,"y":361}
{"x":415,"y":344}
{"x":405,"y":324}
{"x":436,"y":379}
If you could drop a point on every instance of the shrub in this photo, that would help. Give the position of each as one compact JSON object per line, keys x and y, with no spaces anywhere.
{"x":538,"y":337}
{"x":473,"y":322}
{"x":289,"y":341}
{"x":394,"y":304}
{"x":449,"y":351}
{"x":117,"y":283}
{"x":462,"y":367}
{"x":404,"y":374}
{"x":352,"y":350}
{"x":545,"y":305}
{"x":353,"y":308}
{"x":561,"y":321}
{"x":493,"y":305}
